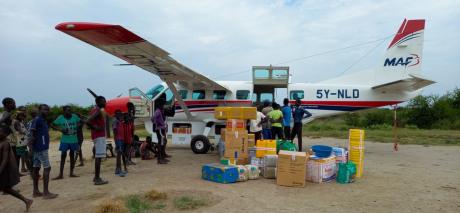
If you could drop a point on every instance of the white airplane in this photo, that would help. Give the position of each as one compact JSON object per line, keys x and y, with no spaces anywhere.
{"x":194,"y":96}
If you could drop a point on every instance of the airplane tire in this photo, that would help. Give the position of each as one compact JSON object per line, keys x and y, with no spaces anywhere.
{"x":200,"y":144}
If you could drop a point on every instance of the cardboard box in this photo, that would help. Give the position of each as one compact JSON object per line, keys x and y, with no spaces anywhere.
{"x":251,"y":140}
{"x":221,"y":113}
{"x":249,"y":113}
{"x":291,"y":168}
{"x":240,"y":161}
{"x":236,"y":144}
{"x":321,"y":170}
{"x":245,"y":113}
{"x":235,"y":124}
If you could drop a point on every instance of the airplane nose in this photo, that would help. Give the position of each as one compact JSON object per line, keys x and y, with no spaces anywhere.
{"x":115,"y":104}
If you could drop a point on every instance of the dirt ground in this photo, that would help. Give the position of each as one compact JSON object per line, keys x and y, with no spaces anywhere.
{"x":417,"y":178}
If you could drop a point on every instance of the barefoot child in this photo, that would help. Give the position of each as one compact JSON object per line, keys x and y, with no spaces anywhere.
{"x":9,"y":175}
{"x":96,"y":122}
{"x":118,"y":134}
{"x":68,"y":124}
{"x":40,"y":141}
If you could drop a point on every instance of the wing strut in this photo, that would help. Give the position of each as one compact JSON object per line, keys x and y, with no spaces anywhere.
{"x":179,"y":99}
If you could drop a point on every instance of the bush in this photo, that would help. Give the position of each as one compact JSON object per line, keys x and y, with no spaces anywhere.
{"x":111,"y":206}
{"x":352,"y":119}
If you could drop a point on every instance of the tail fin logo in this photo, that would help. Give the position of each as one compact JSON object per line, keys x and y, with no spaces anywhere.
{"x":409,"y":61}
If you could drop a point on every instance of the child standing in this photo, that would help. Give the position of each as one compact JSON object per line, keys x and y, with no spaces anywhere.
{"x":118,"y":134}
{"x":128,"y":137}
{"x":68,"y":124}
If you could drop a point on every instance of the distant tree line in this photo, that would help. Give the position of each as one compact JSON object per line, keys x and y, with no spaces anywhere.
{"x":425,"y":112}
{"x":56,"y":110}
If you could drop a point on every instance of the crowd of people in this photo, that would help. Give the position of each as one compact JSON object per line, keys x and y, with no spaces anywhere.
{"x":274,"y":122}
{"x":27,"y":142}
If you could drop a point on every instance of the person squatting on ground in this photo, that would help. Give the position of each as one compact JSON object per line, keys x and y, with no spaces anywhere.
{"x":147,"y":148}
{"x":9,"y":175}
{"x":276,"y":117}
{"x":67,"y":124}
{"x":286,"y":109}
{"x":298,"y":113}
{"x":255,"y":126}
{"x":96,"y":122}
{"x":266,"y":125}
{"x":160,"y":127}
{"x":40,"y":144}
{"x":119,"y":135}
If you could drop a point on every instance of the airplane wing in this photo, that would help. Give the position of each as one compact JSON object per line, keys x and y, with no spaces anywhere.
{"x":128,"y":46}
{"x":410,"y":84}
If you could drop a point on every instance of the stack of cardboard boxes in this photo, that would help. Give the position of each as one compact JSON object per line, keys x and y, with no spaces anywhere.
{"x":235,"y":135}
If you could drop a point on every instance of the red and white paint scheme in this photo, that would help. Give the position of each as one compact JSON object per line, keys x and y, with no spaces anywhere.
{"x":194,"y":96}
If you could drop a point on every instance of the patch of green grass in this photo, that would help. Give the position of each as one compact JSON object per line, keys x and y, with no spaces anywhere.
{"x":137,"y":205}
{"x":384,"y":133}
{"x":158,"y":206}
{"x":188,"y":202}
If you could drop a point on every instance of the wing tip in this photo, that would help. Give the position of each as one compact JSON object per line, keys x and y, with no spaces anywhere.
{"x":80,"y":26}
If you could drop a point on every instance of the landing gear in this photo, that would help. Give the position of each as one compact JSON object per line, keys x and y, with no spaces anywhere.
{"x":200,"y":144}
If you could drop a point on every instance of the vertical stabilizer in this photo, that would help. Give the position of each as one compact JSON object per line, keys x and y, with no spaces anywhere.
{"x":404,"y":54}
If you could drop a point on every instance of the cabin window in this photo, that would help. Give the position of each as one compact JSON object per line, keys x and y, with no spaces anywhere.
{"x":280,"y":74}
{"x":219,"y":94}
{"x":254,"y":97}
{"x":183,"y":94}
{"x":242,"y":94}
{"x":198,"y":95}
{"x":297,"y":94}
{"x":261,"y":74}
{"x":169,"y":97}
{"x":152,"y":93}
{"x":266,"y":97}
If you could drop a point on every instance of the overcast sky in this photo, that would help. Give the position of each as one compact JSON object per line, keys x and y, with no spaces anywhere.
{"x":216,"y":38}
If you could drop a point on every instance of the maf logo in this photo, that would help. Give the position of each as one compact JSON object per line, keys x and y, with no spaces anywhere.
{"x":410,"y":61}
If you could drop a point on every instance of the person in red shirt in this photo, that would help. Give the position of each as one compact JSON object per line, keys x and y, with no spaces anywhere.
{"x":119,"y":135}
{"x":128,"y":137}
{"x":96,"y":122}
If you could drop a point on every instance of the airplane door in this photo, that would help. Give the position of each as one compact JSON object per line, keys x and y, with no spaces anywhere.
{"x":141,"y":103}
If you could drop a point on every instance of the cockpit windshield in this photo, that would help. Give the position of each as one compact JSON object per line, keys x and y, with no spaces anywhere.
{"x":154,"y":91}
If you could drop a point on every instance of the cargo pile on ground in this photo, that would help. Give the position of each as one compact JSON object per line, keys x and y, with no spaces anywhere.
{"x":244,"y":159}
{"x":414,"y":179}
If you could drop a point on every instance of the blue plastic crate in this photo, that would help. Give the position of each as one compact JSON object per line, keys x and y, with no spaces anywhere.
{"x":220,"y":173}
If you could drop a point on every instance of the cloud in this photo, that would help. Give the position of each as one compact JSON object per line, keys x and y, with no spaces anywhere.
{"x":41,"y":64}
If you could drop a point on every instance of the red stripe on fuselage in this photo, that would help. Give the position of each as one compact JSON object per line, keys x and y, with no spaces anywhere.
{"x":205,"y":102}
{"x":350,"y":103}
{"x":99,"y":34}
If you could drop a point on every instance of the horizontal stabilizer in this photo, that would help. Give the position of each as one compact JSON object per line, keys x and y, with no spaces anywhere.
{"x":410,"y":84}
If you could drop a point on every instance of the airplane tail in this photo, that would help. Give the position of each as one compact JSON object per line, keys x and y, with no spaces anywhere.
{"x":404,"y":54}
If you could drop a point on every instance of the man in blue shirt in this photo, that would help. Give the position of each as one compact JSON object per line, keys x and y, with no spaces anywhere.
{"x":286,"y":109}
{"x":40,"y":142}
{"x":298,"y":113}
